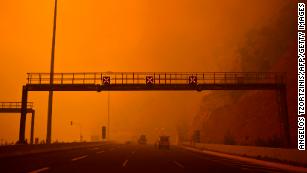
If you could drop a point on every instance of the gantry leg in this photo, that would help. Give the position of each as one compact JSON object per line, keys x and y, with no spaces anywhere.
{"x":283,"y":111}
{"x":22,"y":127}
{"x":32,"y":127}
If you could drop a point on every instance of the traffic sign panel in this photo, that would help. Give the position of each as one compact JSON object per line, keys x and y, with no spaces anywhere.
{"x":149,"y":80}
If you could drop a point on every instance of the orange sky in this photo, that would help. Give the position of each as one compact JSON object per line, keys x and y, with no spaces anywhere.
{"x":130,"y":35}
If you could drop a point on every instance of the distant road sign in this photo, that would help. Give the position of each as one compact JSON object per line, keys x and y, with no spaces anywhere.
{"x":196,"y":136}
{"x":104,"y":130}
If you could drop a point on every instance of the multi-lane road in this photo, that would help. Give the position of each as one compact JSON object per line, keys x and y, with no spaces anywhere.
{"x":114,"y":158}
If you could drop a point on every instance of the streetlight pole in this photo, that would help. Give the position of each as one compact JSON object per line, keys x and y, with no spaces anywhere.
{"x":109,"y":115}
{"x":50,"y":99}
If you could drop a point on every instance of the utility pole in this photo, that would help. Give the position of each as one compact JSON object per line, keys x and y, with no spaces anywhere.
{"x":109,"y":115}
{"x":49,"y":121}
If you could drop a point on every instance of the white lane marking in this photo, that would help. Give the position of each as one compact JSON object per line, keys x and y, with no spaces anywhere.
{"x":40,"y":170}
{"x":178,"y":164}
{"x":79,"y":158}
{"x":125,"y":163}
{"x":98,"y":152}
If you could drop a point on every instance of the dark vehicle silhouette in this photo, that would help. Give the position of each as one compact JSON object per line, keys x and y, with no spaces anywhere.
{"x":142,"y":140}
{"x":164,"y":142}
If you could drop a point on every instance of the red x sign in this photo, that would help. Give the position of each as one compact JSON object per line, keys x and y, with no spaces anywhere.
{"x":192,"y":80}
{"x":106,"y":80}
{"x":149,"y":80}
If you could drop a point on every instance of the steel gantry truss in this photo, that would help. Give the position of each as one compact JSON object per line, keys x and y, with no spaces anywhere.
{"x":154,"y":81}
{"x":145,"y":81}
{"x":15,"y":107}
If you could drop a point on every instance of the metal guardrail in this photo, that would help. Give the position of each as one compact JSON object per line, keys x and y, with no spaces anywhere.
{"x":14,"y":105}
{"x":159,"y":78}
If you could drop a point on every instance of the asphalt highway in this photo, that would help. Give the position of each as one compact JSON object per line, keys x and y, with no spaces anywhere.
{"x":113,"y":158}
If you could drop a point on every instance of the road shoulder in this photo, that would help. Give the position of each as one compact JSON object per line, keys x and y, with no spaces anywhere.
{"x":281,"y":166}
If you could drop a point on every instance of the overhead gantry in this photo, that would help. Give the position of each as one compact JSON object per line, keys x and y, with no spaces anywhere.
{"x":15,"y":107}
{"x":159,"y":81}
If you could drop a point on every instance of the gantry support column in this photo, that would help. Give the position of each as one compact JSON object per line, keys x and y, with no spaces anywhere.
{"x":283,"y":111}
{"x":32,"y":127}
{"x":22,"y":127}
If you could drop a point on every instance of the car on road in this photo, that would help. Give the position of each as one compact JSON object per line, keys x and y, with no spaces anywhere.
{"x":164,"y":142}
{"x":142,"y":140}
{"x":128,"y":142}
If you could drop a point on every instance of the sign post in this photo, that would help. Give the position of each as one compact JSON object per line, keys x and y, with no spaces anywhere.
{"x":103,"y":132}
